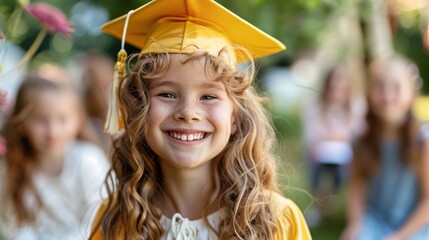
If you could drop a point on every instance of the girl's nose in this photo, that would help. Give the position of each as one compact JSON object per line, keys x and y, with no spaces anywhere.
{"x":188,"y":111}
{"x":53,"y":129}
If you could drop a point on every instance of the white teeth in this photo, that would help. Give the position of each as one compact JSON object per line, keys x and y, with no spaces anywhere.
{"x":186,"y":137}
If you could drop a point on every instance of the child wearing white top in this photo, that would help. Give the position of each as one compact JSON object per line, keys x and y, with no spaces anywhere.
{"x":50,"y":182}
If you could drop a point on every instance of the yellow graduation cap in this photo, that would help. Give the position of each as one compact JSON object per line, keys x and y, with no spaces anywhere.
{"x":183,"y":26}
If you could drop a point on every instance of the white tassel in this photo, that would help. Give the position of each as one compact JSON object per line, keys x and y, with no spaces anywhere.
{"x":115,"y":119}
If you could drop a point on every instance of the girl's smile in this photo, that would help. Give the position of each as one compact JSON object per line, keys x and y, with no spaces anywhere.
{"x":187,"y":136}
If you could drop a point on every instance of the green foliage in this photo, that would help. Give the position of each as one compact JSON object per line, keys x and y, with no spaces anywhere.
{"x":297,"y":23}
{"x":409,"y":43}
{"x":287,"y":126}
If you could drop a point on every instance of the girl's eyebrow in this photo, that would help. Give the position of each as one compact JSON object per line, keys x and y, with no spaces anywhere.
{"x":213,"y":85}
{"x":206,"y":85}
{"x":156,"y":84}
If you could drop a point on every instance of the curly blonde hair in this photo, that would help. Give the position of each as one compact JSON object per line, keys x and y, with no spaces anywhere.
{"x":244,"y":173}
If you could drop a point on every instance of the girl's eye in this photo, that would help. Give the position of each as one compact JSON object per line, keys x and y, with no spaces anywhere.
{"x":166,"y":95}
{"x":208,"y":97}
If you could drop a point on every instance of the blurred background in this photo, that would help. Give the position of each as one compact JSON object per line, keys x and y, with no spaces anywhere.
{"x":320,"y":35}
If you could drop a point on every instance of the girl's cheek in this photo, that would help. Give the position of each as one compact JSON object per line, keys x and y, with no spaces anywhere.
{"x":374,"y":99}
{"x":74,"y":126}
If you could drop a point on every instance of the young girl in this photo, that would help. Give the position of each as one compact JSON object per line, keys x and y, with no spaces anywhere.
{"x":50,"y":183}
{"x":389,"y":197}
{"x":195,"y":160}
{"x":332,"y":121}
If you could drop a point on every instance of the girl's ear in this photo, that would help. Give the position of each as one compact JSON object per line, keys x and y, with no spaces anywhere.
{"x":84,"y":125}
{"x":82,"y":119}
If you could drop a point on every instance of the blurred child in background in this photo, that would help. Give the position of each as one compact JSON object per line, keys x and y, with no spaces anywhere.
{"x":64,"y":76}
{"x":50,"y":182}
{"x":97,"y":76}
{"x":389,"y":195}
{"x":331,"y":123}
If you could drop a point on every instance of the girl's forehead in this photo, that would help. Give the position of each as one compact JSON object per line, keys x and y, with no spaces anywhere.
{"x":55,"y":99}
{"x":188,"y":72}
{"x":394,"y":76}
{"x":57,"y":93}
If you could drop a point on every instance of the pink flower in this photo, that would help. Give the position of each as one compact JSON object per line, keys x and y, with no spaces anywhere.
{"x":52,"y":18}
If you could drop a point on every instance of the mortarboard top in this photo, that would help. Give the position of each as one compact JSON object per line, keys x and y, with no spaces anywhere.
{"x":182,"y":26}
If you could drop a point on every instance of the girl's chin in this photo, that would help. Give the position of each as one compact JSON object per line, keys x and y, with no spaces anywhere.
{"x":393,"y":121}
{"x":52,"y":152}
{"x":186,"y":164}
